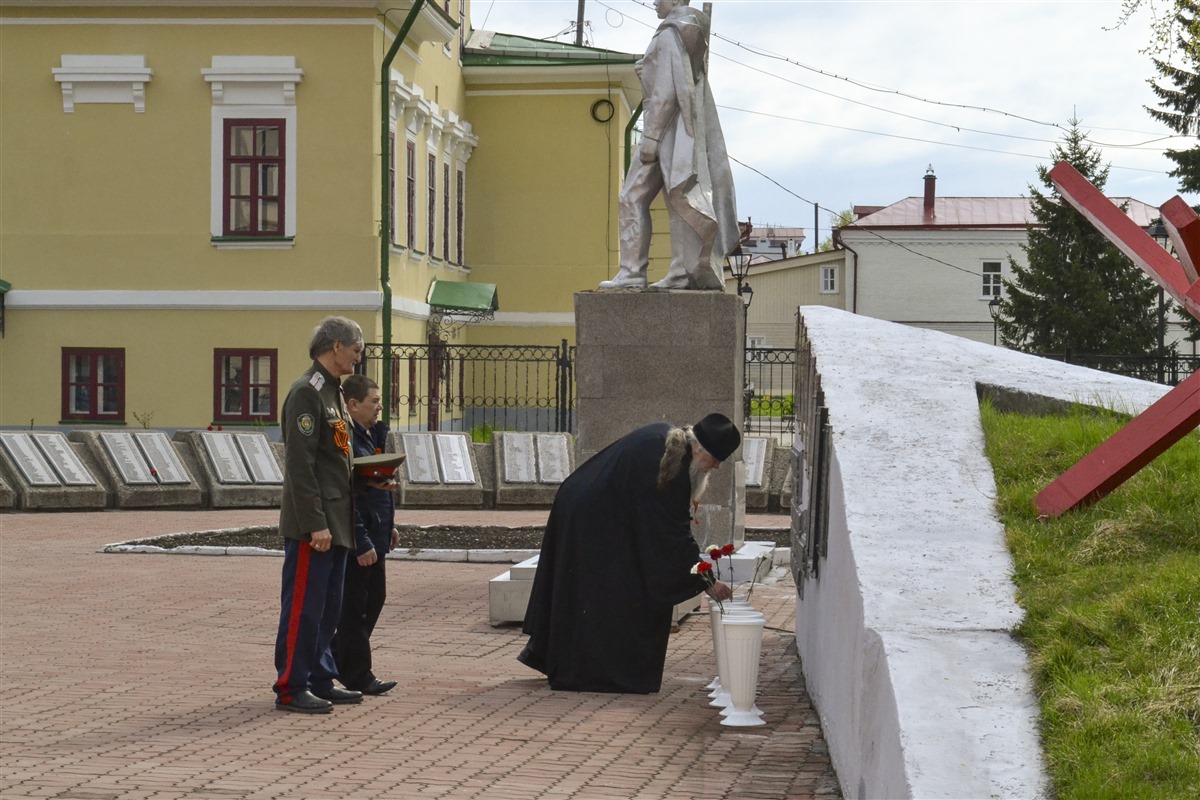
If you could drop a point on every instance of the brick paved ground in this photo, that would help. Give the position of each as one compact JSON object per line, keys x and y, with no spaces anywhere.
{"x":148,"y":676}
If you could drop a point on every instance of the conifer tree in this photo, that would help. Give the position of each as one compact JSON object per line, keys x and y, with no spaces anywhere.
{"x":1178,"y":91}
{"x":1078,"y":295}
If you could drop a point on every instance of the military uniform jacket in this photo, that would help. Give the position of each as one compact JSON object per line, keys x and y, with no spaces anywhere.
{"x":317,"y":481}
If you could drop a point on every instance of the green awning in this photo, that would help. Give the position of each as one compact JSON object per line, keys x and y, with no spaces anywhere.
{"x":462,"y":296}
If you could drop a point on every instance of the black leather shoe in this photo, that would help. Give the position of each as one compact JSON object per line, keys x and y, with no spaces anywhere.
{"x":304,"y":703}
{"x":339,"y":696}
{"x":378,"y":687}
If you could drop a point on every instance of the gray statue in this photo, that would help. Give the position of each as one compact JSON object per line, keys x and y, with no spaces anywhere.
{"x":682,"y":153}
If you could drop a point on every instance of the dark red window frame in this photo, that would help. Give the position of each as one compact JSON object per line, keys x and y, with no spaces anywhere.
{"x":411,"y":199}
{"x":460,"y":217}
{"x":445,"y":212}
{"x":431,"y":216}
{"x":89,"y":389}
{"x":244,"y":385}
{"x":394,"y":236}
{"x":255,"y":195}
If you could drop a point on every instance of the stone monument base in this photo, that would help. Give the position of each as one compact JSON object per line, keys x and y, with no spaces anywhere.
{"x":662,"y":356}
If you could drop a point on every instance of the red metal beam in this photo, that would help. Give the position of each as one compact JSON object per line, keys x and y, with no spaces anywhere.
{"x":1123,"y":232}
{"x":1145,"y":438}
{"x":1183,"y":226}
{"x":1149,"y":434}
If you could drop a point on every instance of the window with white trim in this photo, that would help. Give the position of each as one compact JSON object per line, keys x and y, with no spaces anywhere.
{"x":829,"y":281}
{"x":253,"y":150}
{"x":992,"y":281}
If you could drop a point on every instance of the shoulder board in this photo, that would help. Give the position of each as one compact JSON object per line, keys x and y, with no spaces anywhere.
{"x":317,"y":381}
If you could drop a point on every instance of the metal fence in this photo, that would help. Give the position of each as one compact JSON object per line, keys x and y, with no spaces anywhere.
{"x":1171,"y":369}
{"x":480,"y":388}
{"x":770,"y":399}
{"x":439,"y":386}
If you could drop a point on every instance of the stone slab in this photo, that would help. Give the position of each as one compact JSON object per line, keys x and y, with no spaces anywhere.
{"x":8,"y":498}
{"x":441,"y":470}
{"x":36,"y":467}
{"x":759,"y":454}
{"x":120,"y":459}
{"x":530,"y":467}
{"x":227,"y":477}
{"x":508,"y":593}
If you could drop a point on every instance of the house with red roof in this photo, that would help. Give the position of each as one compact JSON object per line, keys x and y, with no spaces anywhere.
{"x":936,"y":262}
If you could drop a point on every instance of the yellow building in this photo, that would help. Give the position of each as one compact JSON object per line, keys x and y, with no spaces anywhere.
{"x":187,"y":188}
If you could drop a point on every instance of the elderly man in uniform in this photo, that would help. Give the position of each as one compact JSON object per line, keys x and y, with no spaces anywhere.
{"x":617,"y":558}
{"x":315,"y":519}
{"x":681,"y":154}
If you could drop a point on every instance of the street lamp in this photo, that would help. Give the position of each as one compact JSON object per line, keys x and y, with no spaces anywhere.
{"x":994,"y":310}
{"x":739,"y":266}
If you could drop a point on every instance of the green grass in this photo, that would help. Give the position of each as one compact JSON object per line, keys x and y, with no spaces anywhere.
{"x":1112,"y":601}
{"x":768,"y":406}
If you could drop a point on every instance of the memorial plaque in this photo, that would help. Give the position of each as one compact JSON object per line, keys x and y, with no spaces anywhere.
{"x":68,"y":466}
{"x":224,"y":457}
{"x":754,"y":452}
{"x":421,"y":462}
{"x":554,"y":460}
{"x":162,"y":457}
{"x":519,"y":455}
{"x":28,"y":460}
{"x":256,"y":451}
{"x":454,"y":455}
{"x":128,"y":458}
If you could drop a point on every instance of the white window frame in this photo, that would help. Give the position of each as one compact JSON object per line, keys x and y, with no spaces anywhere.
{"x":991,"y":281}
{"x":829,"y":279}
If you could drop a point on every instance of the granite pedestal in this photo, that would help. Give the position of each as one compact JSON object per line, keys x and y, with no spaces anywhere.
{"x":661,"y":356}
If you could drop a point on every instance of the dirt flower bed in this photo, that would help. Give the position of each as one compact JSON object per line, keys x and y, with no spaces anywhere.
{"x":434,"y":537}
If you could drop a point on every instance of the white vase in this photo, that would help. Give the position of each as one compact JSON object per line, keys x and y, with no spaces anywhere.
{"x":743,"y":647}
{"x":718,"y":695}
{"x":741,"y":610}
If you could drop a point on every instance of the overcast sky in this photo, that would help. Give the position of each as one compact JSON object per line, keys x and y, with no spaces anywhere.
{"x":848,"y":102}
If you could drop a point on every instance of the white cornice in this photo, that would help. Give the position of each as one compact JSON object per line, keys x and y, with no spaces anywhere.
{"x":116,"y":299}
{"x":189,"y":3}
{"x":531,"y":319}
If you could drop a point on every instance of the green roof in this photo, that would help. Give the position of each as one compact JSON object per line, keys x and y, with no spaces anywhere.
{"x":463,"y":296}
{"x":491,"y":49}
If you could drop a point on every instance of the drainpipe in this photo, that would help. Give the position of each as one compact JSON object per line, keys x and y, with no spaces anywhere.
{"x":854,"y":295}
{"x":385,"y":201}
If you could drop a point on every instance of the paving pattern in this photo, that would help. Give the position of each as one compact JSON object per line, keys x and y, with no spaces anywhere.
{"x":148,"y":676}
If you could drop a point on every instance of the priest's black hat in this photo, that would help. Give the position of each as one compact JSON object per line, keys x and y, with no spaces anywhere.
{"x":718,"y":435}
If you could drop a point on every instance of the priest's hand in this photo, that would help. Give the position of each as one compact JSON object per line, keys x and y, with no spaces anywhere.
{"x":720,"y":591}
{"x":368,"y":558}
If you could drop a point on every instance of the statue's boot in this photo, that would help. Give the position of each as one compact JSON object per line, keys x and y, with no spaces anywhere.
{"x":673,"y":280}
{"x":627,"y":278}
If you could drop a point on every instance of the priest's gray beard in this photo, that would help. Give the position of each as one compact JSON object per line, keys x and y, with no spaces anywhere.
{"x":699,"y":479}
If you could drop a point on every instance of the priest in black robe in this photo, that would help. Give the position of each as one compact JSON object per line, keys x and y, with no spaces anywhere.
{"x":617,"y":557}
